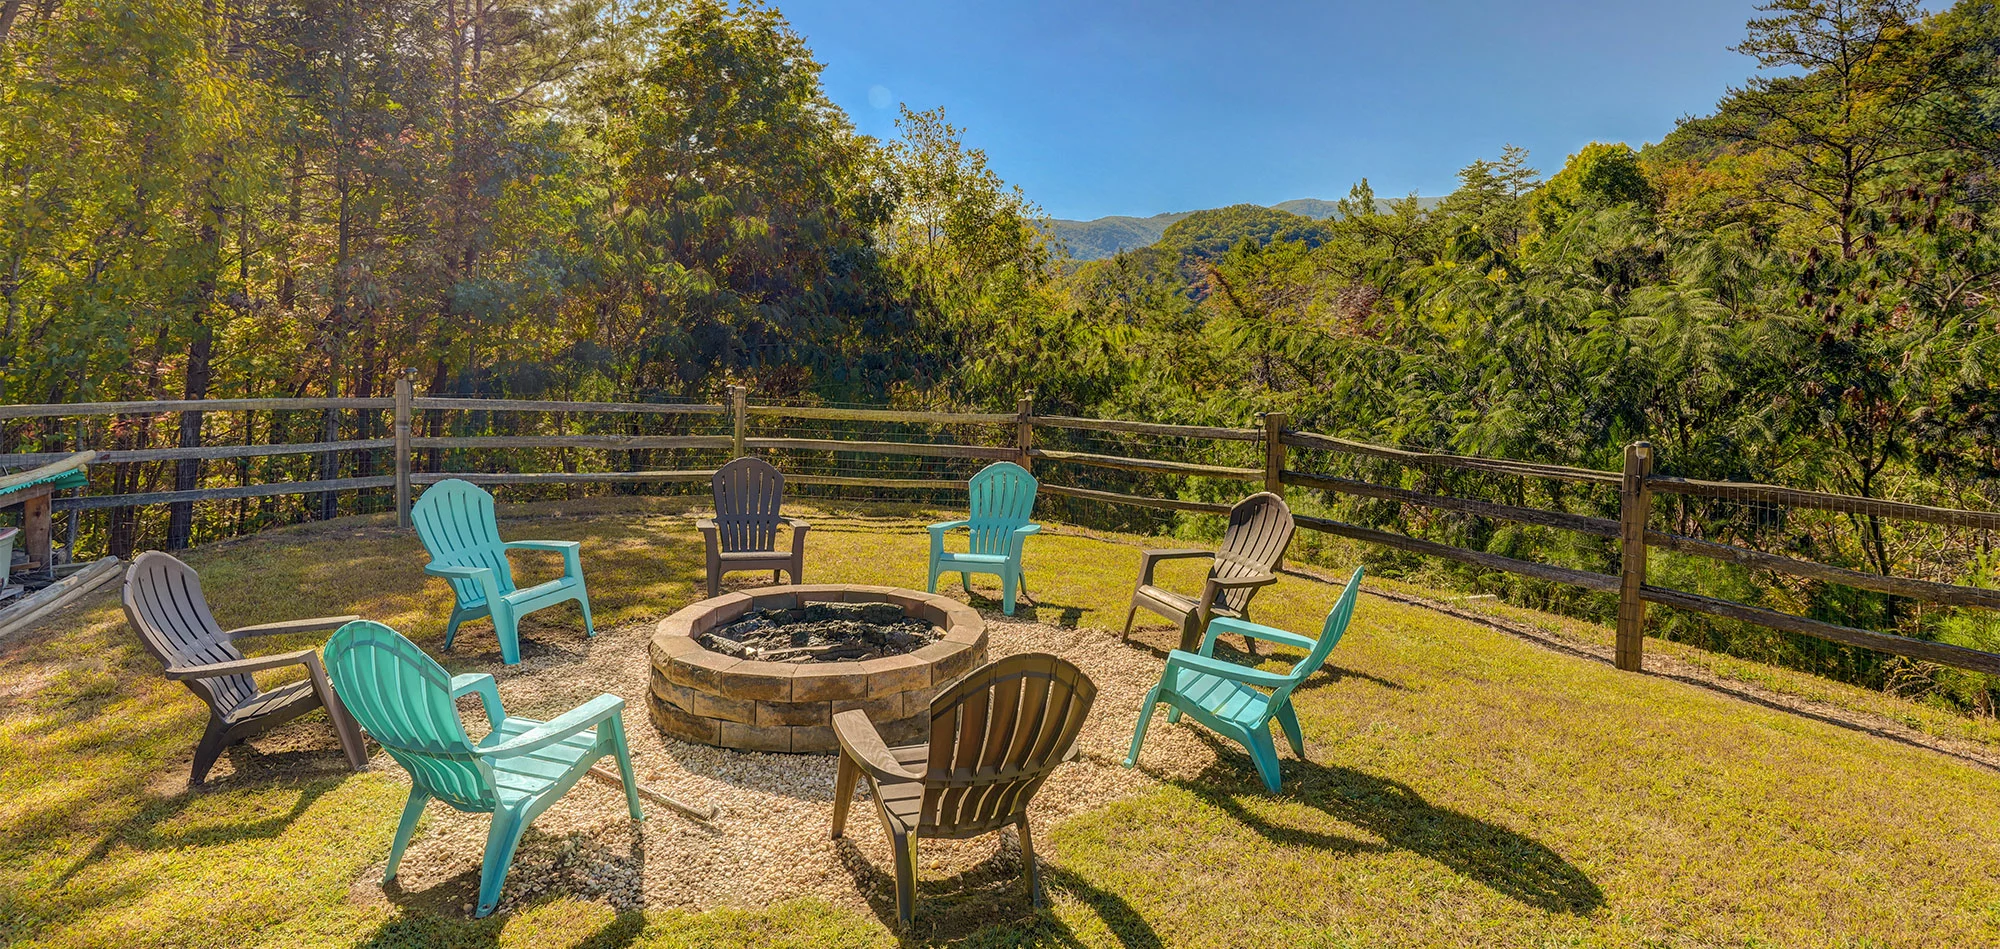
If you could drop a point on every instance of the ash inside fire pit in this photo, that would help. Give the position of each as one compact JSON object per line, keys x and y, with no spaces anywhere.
{"x":823,"y":632}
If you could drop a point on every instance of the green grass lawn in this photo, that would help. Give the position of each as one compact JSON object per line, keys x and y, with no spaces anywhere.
{"x":1464,"y":788}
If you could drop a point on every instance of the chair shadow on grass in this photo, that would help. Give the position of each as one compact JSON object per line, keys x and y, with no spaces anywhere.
{"x":306,"y":771}
{"x":436,"y":914}
{"x":1510,"y":863}
{"x":993,"y":894}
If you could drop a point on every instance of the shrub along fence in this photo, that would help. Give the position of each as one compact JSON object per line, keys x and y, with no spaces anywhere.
{"x":836,"y":446}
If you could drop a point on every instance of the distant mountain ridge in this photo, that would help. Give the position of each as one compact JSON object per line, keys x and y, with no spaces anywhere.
{"x":1106,"y":236}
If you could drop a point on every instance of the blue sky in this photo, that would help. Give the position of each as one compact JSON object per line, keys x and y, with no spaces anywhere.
{"x":1126,"y":107}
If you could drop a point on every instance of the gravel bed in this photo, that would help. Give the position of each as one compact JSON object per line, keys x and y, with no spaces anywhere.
{"x":771,"y":843}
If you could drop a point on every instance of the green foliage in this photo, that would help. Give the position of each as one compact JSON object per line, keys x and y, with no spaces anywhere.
{"x":1600,"y":176}
{"x":1209,"y":234}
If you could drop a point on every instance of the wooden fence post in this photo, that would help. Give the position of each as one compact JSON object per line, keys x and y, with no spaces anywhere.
{"x":405,"y":398}
{"x":739,"y":416}
{"x":1024,"y":430}
{"x":1635,"y":507}
{"x":1274,"y":453}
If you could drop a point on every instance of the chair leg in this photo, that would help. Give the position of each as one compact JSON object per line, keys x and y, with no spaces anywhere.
{"x":843,"y":792}
{"x":777,"y":577}
{"x":1028,"y":861}
{"x":1145,"y":719}
{"x":451,"y":628}
{"x":624,"y":754}
{"x":932,"y":583}
{"x":583,"y":603}
{"x":212,"y":743}
{"x":966,"y":578}
{"x":905,"y":846}
{"x":506,"y":628}
{"x":501,"y":842}
{"x":1009,"y":582}
{"x":413,"y":810}
{"x":1265,"y":755}
{"x":1130,"y":612}
{"x":1288,"y":719}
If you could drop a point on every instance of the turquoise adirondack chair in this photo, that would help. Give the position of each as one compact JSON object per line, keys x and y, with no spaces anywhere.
{"x":1230,"y":698}
{"x":455,"y":520}
{"x":1002,"y":500}
{"x":407,"y":702}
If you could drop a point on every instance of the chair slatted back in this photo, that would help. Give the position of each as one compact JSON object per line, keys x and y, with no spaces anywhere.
{"x":402,"y":697}
{"x":1002,"y":498}
{"x":1260,"y":529}
{"x":455,"y":521}
{"x":748,"y":494}
{"x":1329,"y":637}
{"x":164,"y":604}
{"x":995,"y":736}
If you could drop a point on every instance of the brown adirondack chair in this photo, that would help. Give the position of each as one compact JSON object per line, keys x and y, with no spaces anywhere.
{"x":164,"y":604}
{"x":743,"y":535}
{"x":995,"y":737}
{"x":1260,"y":528}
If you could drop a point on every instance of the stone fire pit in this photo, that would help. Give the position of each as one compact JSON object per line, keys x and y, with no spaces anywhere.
{"x":705,"y":696}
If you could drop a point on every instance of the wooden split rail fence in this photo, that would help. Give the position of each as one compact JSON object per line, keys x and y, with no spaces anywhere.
{"x":1632,"y":530}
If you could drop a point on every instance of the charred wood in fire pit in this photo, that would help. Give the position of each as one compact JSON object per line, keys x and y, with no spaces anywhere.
{"x":823,"y":632}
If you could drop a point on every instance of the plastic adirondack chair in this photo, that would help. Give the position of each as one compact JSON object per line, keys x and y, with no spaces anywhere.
{"x":164,"y":604}
{"x":407,"y":702}
{"x":996,"y":735}
{"x":1260,"y":528}
{"x":455,"y":520}
{"x":1002,"y":500}
{"x":1229,"y":698}
{"x":743,"y":535}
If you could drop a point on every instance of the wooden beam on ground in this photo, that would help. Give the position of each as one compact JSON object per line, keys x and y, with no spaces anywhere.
{"x":29,"y":611}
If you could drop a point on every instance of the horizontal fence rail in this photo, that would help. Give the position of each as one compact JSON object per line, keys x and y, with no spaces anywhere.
{"x":1632,"y":530}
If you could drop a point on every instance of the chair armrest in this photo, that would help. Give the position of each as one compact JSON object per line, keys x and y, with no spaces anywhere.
{"x":705,"y":525}
{"x":559,"y":728}
{"x":239,"y":666}
{"x":1223,"y":669}
{"x":1026,"y":529}
{"x":943,"y":526}
{"x":281,"y":627}
{"x":572,"y":552}
{"x":479,"y":575}
{"x":1148,"y":559}
{"x":553,"y":546}
{"x":797,"y":523}
{"x":1225,"y":624}
{"x":489,"y":694}
{"x":862,"y":744}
